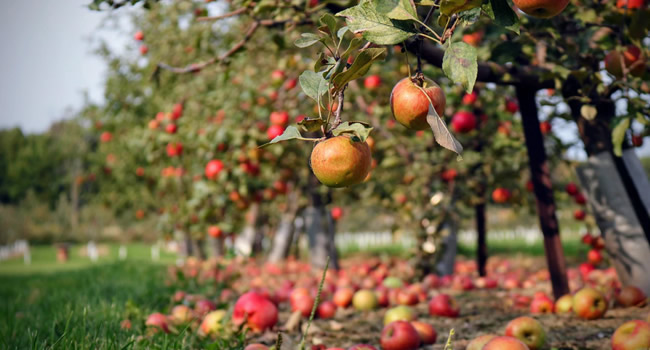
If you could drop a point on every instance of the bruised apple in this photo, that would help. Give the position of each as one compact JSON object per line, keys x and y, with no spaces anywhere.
{"x":541,"y":8}
{"x":340,"y":161}
{"x":410,"y":105}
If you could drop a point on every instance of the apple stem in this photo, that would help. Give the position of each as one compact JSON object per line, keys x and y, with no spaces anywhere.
{"x":339,"y":109}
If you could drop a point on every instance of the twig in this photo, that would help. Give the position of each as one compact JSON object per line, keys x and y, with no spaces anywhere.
{"x":339,"y":109}
{"x":225,"y":15}
{"x":195,"y":67}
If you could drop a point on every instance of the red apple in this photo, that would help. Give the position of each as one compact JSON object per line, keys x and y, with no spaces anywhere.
{"x":580,"y":199}
{"x":410,"y":104}
{"x":637,"y":140}
{"x":158,"y":321}
{"x":590,"y":304}
{"x":258,"y":312}
{"x":501,"y":195}
{"x":470,"y":99}
{"x":630,"y":4}
{"x":571,"y":189}
{"x":215,"y":231}
{"x":337,"y":213}
{"x":274,"y":131}
{"x":399,"y":335}
{"x":372,"y":82}
{"x":528,"y":330}
{"x":594,"y":257}
{"x":139,"y":36}
{"x":443,"y":305}
{"x":541,"y":305}
{"x":631,"y":56}
{"x":177,"y":111}
{"x":279,"y":118}
{"x":630,"y":296}
{"x":406,"y":297}
{"x":343,"y":297}
{"x":290,"y":84}
{"x":144,"y":49}
{"x":362,"y":347}
{"x":277,"y":76}
{"x":426,"y":331}
{"x":505,"y":343}
{"x":632,"y":335}
{"x":204,"y":306}
{"x":213,"y":168}
{"x":512,"y":106}
{"x":303,"y":303}
{"x":171,"y":128}
{"x":106,"y":137}
{"x":326,"y":309}
{"x":545,"y":127}
{"x":541,"y":8}
{"x":579,"y":214}
{"x":463,"y":122}
{"x":473,"y":39}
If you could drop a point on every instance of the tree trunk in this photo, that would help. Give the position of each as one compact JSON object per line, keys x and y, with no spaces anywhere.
{"x":245,"y":241}
{"x":449,"y":246}
{"x":543,"y":191}
{"x":282,"y":239}
{"x":616,"y":190}
{"x":217,"y":245}
{"x":185,"y":245}
{"x":481,"y":242}
{"x":625,"y":239}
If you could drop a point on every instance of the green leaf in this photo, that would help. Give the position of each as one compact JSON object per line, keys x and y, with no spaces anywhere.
{"x":354,"y":44}
{"x":588,"y":112}
{"x":359,"y":67}
{"x":470,"y":16}
{"x":460,"y":64}
{"x":441,"y":133}
{"x":290,"y":133}
{"x":307,"y":39}
{"x":506,"y":51}
{"x":331,"y":23}
{"x":342,"y":31}
{"x":311,"y":124}
{"x":360,"y":130}
{"x":396,"y":9}
{"x":376,"y":27}
{"x":618,"y":135}
{"x":313,"y":84}
{"x":426,"y":2}
{"x":503,"y":15}
{"x":450,"y":7}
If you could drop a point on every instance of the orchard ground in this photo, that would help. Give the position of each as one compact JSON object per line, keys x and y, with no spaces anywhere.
{"x":82,"y":304}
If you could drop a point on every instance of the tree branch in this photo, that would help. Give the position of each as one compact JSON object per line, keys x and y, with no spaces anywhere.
{"x":225,"y":15}
{"x":488,"y":72}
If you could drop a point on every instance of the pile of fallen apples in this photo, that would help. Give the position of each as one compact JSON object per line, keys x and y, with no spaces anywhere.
{"x":259,"y":292}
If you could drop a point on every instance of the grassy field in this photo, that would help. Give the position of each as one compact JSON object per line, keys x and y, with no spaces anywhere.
{"x":80,"y":304}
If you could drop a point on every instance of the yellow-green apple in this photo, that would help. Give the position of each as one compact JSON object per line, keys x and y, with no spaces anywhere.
{"x":505,"y":343}
{"x":364,"y":300}
{"x":564,"y":304}
{"x":399,"y":335}
{"x":541,"y":8}
{"x":340,"y":161}
{"x":632,"y":335}
{"x":630,"y":296}
{"x":410,"y":104}
{"x":181,"y":314}
{"x":426,"y":331}
{"x":399,"y":313}
{"x":528,"y":330}
{"x":589,"y":303}
{"x":211,"y":323}
{"x":480,"y":341}
{"x":392,"y":282}
{"x":443,"y":305}
{"x":256,"y":311}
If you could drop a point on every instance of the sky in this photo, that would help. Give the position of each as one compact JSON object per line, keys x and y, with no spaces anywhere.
{"x":46,"y":63}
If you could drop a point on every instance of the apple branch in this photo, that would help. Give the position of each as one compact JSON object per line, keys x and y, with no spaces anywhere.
{"x":339,"y":109}
{"x":225,"y":15}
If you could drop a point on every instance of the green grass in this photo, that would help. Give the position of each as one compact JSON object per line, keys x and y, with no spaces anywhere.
{"x":44,"y":259}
